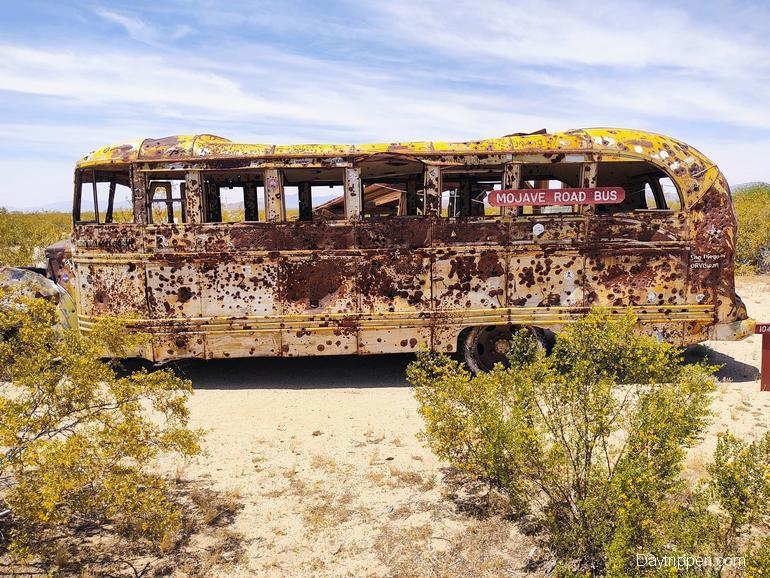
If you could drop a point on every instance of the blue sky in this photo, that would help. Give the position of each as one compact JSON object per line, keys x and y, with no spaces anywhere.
{"x":75,"y":76}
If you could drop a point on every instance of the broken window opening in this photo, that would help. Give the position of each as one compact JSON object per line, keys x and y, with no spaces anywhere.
{"x":392,"y":186}
{"x":233,"y":198}
{"x":550,"y":176}
{"x":647,"y":187}
{"x":465,"y":193}
{"x":166,"y":200}
{"x":314,"y":194}
{"x":103,"y":197}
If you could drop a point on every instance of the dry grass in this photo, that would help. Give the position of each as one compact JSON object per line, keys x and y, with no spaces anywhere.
{"x":376,"y":477}
{"x":372,"y":438}
{"x":329,"y":511}
{"x":179,"y":472}
{"x":400,"y":477}
{"x":480,"y":549}
{"x":273,"y":494}
{"x":227,"y":550}
{"x":258,"y":462}
{"x":325,"y":463}
{"x":215,"y":508}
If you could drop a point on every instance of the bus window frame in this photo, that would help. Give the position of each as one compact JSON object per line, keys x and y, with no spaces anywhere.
{"x":511,"y":176}
{"x":152,"y":176}
{"x":77,"y":208}
{"x":492,"y":171}
{"x":107,"y":219}
{"x":78,"y":198}
{"x":657,"y":189}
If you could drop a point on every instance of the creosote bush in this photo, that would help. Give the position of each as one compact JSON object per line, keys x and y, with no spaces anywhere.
{"x":77,"y":437}
{"x":592,"y":439}
{"x":752,"y":209}
{"x":23,"y":236}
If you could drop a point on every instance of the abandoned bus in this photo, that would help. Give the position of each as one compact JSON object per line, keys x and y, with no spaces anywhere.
{"x":219,"y":249}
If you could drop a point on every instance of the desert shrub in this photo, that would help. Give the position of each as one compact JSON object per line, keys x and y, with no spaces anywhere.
{"x":77,"y":436}
{"x":592,"y":441}
{"x":23,"y":236}
{"x":752,"y":209}
{"x":740,"y":480}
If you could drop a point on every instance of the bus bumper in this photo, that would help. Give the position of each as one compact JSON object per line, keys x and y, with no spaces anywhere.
{"x":732,"y":330}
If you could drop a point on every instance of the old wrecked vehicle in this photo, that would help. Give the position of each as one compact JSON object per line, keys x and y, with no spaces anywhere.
{"x":428,"y":245}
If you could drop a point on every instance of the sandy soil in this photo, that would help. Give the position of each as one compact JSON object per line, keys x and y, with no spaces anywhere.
{"x":323,"y":455}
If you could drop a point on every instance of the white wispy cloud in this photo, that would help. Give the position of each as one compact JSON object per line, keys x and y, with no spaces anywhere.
{"x":643,"y":58}
{"x":291,"y":90}
{"x":141,"y":30}
{"x":631,"y":35}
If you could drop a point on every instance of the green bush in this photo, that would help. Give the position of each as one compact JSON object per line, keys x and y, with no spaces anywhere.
{"x":77,"y":438}
{"x":23,"y":236}
{"x":752,"y":209}
{"x":592,"y":440}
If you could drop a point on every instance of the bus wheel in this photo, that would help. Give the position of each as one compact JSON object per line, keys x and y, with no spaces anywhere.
{"x":485,"y":346}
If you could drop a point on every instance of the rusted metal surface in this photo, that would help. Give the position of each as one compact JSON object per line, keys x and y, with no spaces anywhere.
{"x":373,"y":284}
{"x":353,"y":197}
{"x":275,"y":209}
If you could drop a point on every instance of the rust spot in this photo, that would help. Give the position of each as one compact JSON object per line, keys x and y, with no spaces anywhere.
{"x":184,"y":294}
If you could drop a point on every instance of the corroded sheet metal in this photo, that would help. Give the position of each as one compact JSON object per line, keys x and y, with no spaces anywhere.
{"x":239,"y":287}
{"x":325,"y":341}
{"x":473,"y":279}
{"x":109,"y":289}
{"x":644,"y":228}
{"x":173,"y":290}
{"x":636,"y":277}
{"x":243,"y":344}
{"x":193,"y":197}
{"x":398,"y":281}
{"x":34,"y":285}
{"x":353,"y":197}
{"x":275,"y":209}
{"x":394,"y":340}
{"x":317,"y":284}
{"x":536,"y":279}
{"x":313,"y":236}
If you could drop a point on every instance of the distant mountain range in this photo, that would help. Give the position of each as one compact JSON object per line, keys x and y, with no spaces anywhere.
{"x":60,"y":207}
{"x":742,"y":186}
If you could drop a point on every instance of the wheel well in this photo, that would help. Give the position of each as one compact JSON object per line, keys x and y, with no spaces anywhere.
{"x":548,"y":336}
{"x":461,"y":338}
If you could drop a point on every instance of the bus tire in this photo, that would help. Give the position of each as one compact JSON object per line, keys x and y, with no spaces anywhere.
{"x":483,"y":347}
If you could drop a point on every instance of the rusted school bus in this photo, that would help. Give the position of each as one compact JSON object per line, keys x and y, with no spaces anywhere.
{"x":287,"y":272}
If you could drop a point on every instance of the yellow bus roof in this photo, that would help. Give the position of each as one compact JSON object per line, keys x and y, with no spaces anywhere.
{"x":689,"y":167}
{"x":625,"y":142}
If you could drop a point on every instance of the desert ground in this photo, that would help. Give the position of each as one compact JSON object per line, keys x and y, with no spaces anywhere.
{"x":322,"y":454}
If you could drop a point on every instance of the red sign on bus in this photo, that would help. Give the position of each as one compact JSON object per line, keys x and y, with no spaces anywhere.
{"x":542,"y":197}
